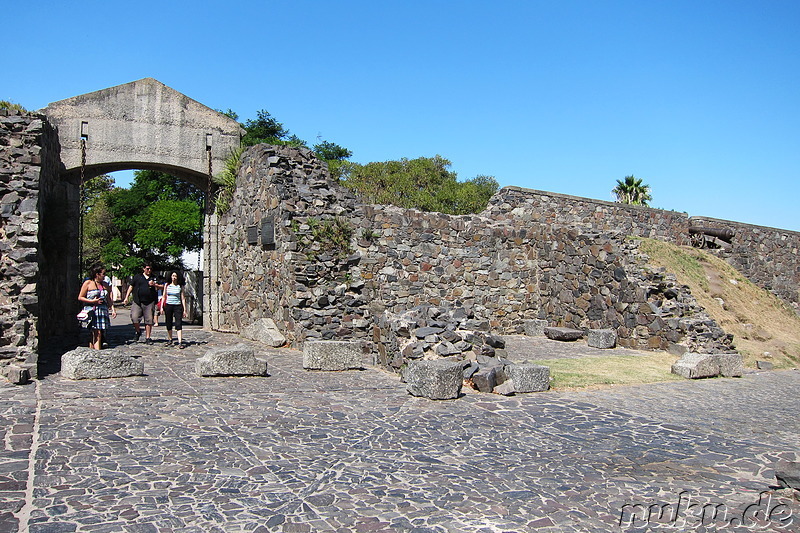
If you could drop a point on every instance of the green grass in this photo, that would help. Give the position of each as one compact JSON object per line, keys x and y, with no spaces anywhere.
{"x":588,"y":372}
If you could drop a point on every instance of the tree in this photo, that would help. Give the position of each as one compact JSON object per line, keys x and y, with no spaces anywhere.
{"x":335,"y":156}
{"x":93,"y":190}
{"x":632,"y":191}
{"x":266,"y":129}
{"x":154,"y":221}
{"x":97,"y":224}
{"x":424,"y":183}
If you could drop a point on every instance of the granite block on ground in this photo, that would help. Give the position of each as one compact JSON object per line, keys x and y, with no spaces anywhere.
{"x":437,"y":380}
{"x":602,"y":338}
{"x":86,"y":363}
{"x":534,"y":328}
{"x":705,"y":365}
{"x":237,"y":360}
{"x":265,"y":331}
{"x":332,"y":355}
{"x":528,"y":377}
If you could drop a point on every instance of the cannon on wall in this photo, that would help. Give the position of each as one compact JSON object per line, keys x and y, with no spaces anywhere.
{"x":703,"y":237}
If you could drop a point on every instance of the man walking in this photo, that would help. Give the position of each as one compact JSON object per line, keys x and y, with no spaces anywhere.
{"x":144,"y":289}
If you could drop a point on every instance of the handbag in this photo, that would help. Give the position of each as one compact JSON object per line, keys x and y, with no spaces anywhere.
{"x":85,"y":316}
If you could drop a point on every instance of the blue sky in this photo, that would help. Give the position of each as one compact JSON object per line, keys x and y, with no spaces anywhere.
{"x":697,"y":98}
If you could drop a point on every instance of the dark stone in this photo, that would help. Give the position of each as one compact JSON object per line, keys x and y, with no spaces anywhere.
{"x":485,"y":379}
{"x":421,"y":333}
{"x":495,"y":341}
{"x":562,"y":334}
{"x":788,"y":474}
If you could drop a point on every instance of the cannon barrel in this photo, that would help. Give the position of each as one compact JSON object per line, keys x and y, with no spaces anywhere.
{"x":726,"y":234}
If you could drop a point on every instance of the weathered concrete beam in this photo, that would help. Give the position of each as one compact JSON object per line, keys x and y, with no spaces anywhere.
{"x":142,"y":125}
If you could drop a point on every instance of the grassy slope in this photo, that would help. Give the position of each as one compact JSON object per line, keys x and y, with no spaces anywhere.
{"x":764,"y":328}
{"x":759,"y":321}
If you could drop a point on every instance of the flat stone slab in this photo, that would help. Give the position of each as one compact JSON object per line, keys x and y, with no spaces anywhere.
{"x":528,"y":377}
{"x":265,"y":331}
{"x":86,"y":363}
{"x":237,"y":360}
{"x":602,"y":338}
{"x":702,"y":365}
{"x":562,"y":334}
{"x":332,"y":355}
{"x":437,"y":380}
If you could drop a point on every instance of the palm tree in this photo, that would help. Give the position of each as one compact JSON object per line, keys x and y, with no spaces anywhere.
{"x":632,"y":191}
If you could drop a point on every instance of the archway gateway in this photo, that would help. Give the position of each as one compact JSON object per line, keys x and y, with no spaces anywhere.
{"x":139,"y":125}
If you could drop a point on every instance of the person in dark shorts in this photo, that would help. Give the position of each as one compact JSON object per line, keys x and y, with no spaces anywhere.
{"x":144,"y":289}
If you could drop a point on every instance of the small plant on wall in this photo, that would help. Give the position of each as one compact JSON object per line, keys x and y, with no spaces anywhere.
{"x":329,"y":237}
{"x":226,"y":180}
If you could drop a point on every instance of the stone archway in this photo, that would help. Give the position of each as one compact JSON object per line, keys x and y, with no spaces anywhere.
{"x":139,"y":125}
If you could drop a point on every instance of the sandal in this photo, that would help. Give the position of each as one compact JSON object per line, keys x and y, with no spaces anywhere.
{"x":182,"y":345}
{"x":169,"y":343}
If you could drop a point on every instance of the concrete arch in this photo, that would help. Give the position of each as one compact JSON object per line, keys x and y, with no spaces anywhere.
{"x":141,"y":125}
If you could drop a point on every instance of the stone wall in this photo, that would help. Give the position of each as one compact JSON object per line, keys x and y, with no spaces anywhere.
{"x":21,"y":161}
{"x":39,"y":276}
{"x":769,"y":257}
{"x":286,"y":186}
{"x":488,"y":273}
{"x":528,"y":205}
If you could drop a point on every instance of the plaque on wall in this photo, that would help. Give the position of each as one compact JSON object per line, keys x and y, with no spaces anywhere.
{"x":267,"y":231}
{"x":252,"y":235}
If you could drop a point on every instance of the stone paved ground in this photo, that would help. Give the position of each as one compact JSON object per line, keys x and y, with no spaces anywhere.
{"x":352,"y":451}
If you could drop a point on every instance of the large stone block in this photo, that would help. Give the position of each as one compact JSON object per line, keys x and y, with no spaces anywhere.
{"x":731,"y":365}
{"x":602,"y":338}
{"x":265,"y":331}
{"x":696,"y":365}
{"x":85,"y":363}
{"x":562,"y":334}
{"x":701,"y":365}
{"x":332,"y":355}
{"x":15,"y":374}
{"x":534,"y":328}
{"x":238,"y":360}
{"x":437,"y":380}
{"x":528,"y":377}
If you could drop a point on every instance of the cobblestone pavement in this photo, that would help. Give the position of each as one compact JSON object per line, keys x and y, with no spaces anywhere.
{"x":352,"y":451}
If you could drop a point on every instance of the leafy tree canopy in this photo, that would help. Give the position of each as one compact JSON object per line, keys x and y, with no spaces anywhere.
{"x":154,"y":221}
{"x":424,"y":183}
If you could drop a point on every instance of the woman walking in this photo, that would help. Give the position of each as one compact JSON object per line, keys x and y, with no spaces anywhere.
{"x":175,"y":307}
{"x":97,"y":295}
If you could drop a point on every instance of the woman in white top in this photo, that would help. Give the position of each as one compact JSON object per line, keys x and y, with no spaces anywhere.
{"x":175,"y":307}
